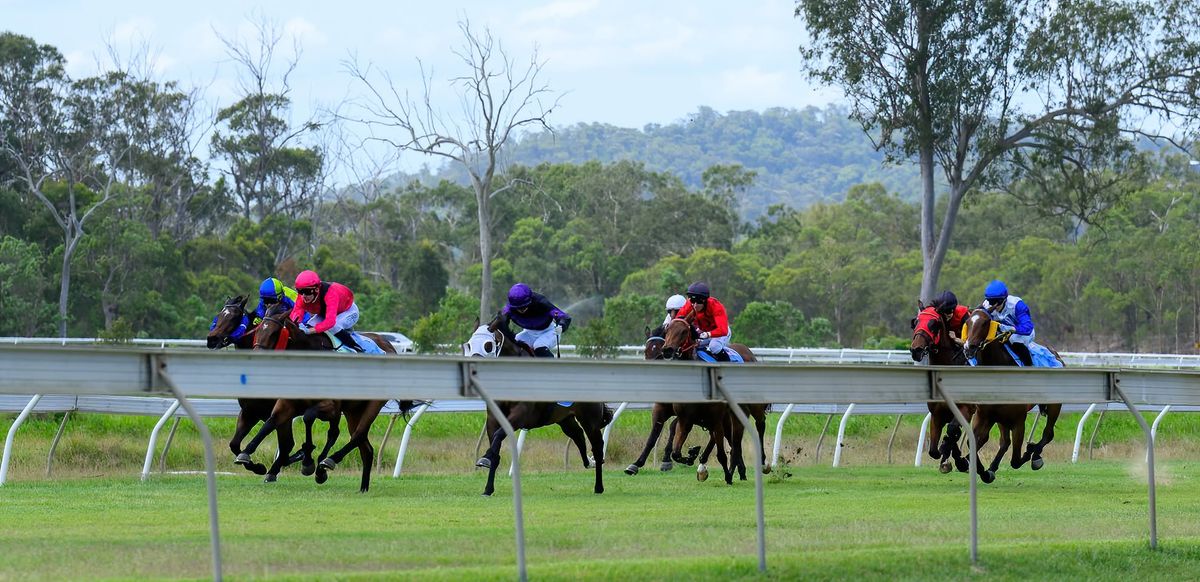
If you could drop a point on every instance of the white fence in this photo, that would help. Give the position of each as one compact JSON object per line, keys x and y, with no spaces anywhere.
{"x":103,"y":371}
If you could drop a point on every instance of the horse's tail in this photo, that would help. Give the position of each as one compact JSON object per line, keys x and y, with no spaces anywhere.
{"x":607,"y":416}
{"x":407,"y":406}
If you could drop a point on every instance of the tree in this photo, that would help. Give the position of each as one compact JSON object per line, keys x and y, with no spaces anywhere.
{"x":967,"y":85}
{"x":63,"y":138}
{"x":499,"y":97}
{"x":24,"y":310}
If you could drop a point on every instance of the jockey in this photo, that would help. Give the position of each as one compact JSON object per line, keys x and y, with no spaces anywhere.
{"x":331,"y":305}
{"x":537,"y":316}
{"x":710,"y":319}
{"x":1013,"y":316}
{"x":674,"y":304}
{"x":272,"y":292}
{"x":952,"y":314}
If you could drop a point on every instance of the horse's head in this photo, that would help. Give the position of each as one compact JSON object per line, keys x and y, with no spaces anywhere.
{"x":928,"y":333}
{"x":679,"y":339}
{"x":484,"y":343}
{"x":275,"y":330}
{"x":227,"y":320}
{"x":654,"y":343}
{"x":978,"y":331}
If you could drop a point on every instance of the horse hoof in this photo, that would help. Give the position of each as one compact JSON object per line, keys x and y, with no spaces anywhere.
{"x":322,"y":476}
{"x":702,"y":473}
{"x":257,"y":468}
{"x":484,"y":463}
{"x":666,"y":466}
{"x":271,"y":478}
{"x":242,"y":459}
{"x":307,"y":469}
{"x":963,"y":465}
{"x":328,"y":464}
{"x":987,"y":476}
{"x":1037,"y":463}
{"x":944,"y":468}
{"x":766,"y":469}
{"x":485,"y":494}
{"x":632,"y":470}
{"x":599,"y":490}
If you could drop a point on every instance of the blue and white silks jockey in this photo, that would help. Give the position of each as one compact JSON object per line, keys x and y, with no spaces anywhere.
{"x":1012,"y":315}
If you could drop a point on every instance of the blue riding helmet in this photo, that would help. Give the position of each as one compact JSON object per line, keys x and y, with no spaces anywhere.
{"x":996,"y":290}
{"x":520,"y":296}
{"x":271,"y":290}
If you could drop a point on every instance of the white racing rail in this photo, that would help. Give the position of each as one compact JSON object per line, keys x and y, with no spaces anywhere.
{"x":193,"y":373}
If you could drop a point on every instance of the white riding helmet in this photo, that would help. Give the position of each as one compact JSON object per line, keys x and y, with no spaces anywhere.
{"x":676,"y":302}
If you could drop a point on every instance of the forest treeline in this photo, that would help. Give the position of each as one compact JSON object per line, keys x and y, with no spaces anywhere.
{"x":122,"y":216}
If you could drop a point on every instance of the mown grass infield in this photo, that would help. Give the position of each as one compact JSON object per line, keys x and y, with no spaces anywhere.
{"x":1086,"y":521}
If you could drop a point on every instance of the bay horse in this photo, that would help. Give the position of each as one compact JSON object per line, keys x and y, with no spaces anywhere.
{"x":931,"y":339}
{"x":679,"y":343}
{"x":278,"y":331}
{"x":660,"y":413}
{"x":577,"y":420}
{"x":251,"y":411}
{"x":983,"y":345}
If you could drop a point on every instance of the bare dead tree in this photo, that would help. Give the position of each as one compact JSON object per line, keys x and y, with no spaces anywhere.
{"x":498,"y":96}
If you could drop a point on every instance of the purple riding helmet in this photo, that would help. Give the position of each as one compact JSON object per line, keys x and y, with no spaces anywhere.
{"x":520,"y":296}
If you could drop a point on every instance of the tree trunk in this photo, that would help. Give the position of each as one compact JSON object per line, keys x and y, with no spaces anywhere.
{"x":485,"y":257}
{"x":929,"y":270}
{"x":64,"y":286}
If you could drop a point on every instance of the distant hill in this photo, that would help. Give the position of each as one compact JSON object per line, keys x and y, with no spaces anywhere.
{"x":801,"y":156}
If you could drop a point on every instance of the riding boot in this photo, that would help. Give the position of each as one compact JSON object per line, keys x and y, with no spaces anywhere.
{"x":348,"y":340}
{"x":543,"y":352}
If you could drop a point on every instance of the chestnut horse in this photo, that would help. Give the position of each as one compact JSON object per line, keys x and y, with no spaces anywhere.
{"x":577,"y":420}
{"x":660,"y":413}
{"x":932,"y":340}
{"x":278,"y":331}
{"x":984,"y":345}
{"x":251,"y":411}
{"x":680,"y":344}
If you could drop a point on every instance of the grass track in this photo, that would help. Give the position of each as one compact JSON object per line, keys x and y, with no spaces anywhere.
{"x":1085,"y":521}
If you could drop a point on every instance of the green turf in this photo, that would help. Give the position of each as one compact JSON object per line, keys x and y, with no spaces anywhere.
{"x":1066,"y":522}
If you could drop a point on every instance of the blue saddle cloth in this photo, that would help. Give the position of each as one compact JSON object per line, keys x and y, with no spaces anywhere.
{"x":1043,"y":357}
{"x":565,"y":403}
{"x":368,"y":345}
{"x":734,"y":357}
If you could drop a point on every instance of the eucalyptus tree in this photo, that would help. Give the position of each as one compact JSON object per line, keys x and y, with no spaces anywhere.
{"x":969,"y":86}
{"x":63,"y":140}
{"x":499,"y":96}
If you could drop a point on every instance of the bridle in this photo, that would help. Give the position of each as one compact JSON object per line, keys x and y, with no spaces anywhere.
{"x":484,"y":343}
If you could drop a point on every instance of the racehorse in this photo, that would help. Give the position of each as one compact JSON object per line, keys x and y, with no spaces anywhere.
{"x":278,"y":331}
{"x":577,"y":420}
{"x":680,"y":344}
{"x":982,"y":344}
{"x":932,"y":340}
{"x":660,"y":413}
{"x":251,"y":410}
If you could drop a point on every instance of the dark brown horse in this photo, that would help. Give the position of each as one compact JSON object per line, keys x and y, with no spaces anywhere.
{"x":985,"y":347}
{"x":277,"y":331}
{"x":251,"y":411}
{"x":932,"y":340}
{"x":660,"y":413}
{"x":577,"y":420}
{"x":680,"y":344}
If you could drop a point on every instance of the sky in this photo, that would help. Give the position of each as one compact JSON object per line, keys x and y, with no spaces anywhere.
{"x":623,"y":62}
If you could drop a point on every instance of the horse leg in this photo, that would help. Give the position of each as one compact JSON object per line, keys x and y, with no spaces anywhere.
{"x":658,"y":417}
{"x":307,"y":466}
{"x":358,"y":421}
{"x":281,"y":414}
{"x":1005,"y":442}
{"x":1035,"y":450}
{"x":734,"y":431}
{"x":331,"y":435}
{"x":570,"y":427}
{"x":244,"y":424}
{"x":685,"y":427}
{"x":596,"y":437}
{"x":718,"y":435}
{"x":286,"y":443}
{"x":760,"y":422}
{"x":493,"y":457}
{"x":490,"y":426}
{"x":1018,"y":439}
{"x":982,"y":427}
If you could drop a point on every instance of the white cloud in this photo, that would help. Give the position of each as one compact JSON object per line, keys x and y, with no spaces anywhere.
{"x":305,"y":32}
{"x":560,"y":10}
